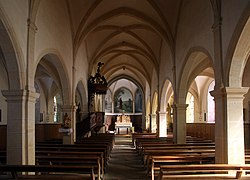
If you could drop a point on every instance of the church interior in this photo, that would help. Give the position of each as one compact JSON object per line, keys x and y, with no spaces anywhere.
{"x":163,"y":83}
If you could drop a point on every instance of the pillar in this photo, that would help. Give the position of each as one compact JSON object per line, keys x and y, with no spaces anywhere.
{"x":147,"y":123}
{"x":71,"y":111}
{"x":229,"y":126}
{"x":162,"y":125}
{"x":179,"y":124}
{"x":153,"y":123}
{"x":20,"y":126}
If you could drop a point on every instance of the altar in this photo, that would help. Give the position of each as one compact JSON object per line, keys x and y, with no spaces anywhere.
{"x":123,"y":121}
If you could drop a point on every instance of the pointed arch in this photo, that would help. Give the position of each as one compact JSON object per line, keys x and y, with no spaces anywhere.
{"x":166,"y":93}
{"x":11,"y":55}
{"x":240,"y":53}
{"x":52,"y":62}
{"x":197,"y":60}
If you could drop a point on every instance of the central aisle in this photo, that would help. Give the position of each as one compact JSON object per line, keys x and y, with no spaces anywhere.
{"x":124,"y":163}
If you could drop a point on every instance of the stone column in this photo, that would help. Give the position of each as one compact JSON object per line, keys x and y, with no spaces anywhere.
{"x":147,"y":123}
{"x":153,"y":123}
{"x":179,"y":124}
{"x":229,"y":126}
{"x":20,"y":126}
{"x":162,"y":125}
{"x":71,"y":111}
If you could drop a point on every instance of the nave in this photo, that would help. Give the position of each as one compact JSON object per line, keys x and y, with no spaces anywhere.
{"x":125,"y":163}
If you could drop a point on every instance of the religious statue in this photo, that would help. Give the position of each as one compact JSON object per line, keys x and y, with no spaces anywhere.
{"x":66,"y":121}
{"x":120,"y":104}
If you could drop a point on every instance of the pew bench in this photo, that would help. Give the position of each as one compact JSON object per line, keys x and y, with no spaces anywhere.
{"x":140,"y":141}
{"x":73,"y":154}
{"x":141,"y":135}
{"x":18,"y":170}
{"x":171,"y":147}
{"x":154,"y":162}
{"x":204,"y":171}
{"x":76,"y":149}
{"x":175,"y":152}
{"x":71,"y":160}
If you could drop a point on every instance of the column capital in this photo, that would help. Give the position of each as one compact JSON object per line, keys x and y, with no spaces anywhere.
{"x":236,"y":92}
{"x":230,"y":92}
{"x":17,"y":95}
{"x":180,"y":106}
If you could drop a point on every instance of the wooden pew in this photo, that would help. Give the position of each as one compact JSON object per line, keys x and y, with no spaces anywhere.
{"x":99,"y":145}
{"x":140,"y":142}
{"x":142,"y":135}
{"x":177,"y":146}
{"x":203,"y":171}
{"x":154,"y":162}
{"x":17,"y":170}
{"x":173,"y":152}
{"x":72,"y":154}
{"x":76,"y":149}
{"x":88,"y":160}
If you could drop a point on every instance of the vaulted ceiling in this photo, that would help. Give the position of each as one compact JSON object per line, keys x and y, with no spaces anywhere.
{"x":126,"y":35}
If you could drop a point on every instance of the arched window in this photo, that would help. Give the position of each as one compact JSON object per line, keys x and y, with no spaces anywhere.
{"x":190,"y":108}
{"x":210,"y":104}
{"x":55,"y":110}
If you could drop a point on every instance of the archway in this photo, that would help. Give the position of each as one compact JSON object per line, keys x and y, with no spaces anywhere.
{"x":154,"y":113}
{"x":198,"y":65}
{"x":52,"y":83}
{"x":165,"y":114}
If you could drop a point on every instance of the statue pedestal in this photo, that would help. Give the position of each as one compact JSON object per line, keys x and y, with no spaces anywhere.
{"x":67,"y":135}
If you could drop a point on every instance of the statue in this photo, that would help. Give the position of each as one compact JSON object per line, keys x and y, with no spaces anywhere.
{"x":120,"y":104}
{"x":66,"y":121}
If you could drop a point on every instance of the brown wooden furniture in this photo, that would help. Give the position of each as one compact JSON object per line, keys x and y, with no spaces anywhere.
{"x":203,"y":171}
{"x":86,"y":160}
{"x":17,"y":170}
{"x":154,"y":162}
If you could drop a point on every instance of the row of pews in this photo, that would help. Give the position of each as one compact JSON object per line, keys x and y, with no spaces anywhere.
{"x":86,"y":159}
{"x":192,"y":160}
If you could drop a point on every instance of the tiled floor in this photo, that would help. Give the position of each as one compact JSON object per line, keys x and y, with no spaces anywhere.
{"x":125,"y":164}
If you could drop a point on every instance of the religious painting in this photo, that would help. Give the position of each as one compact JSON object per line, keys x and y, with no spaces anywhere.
{"x":138,"y":101}
{"x":123,"y":101}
